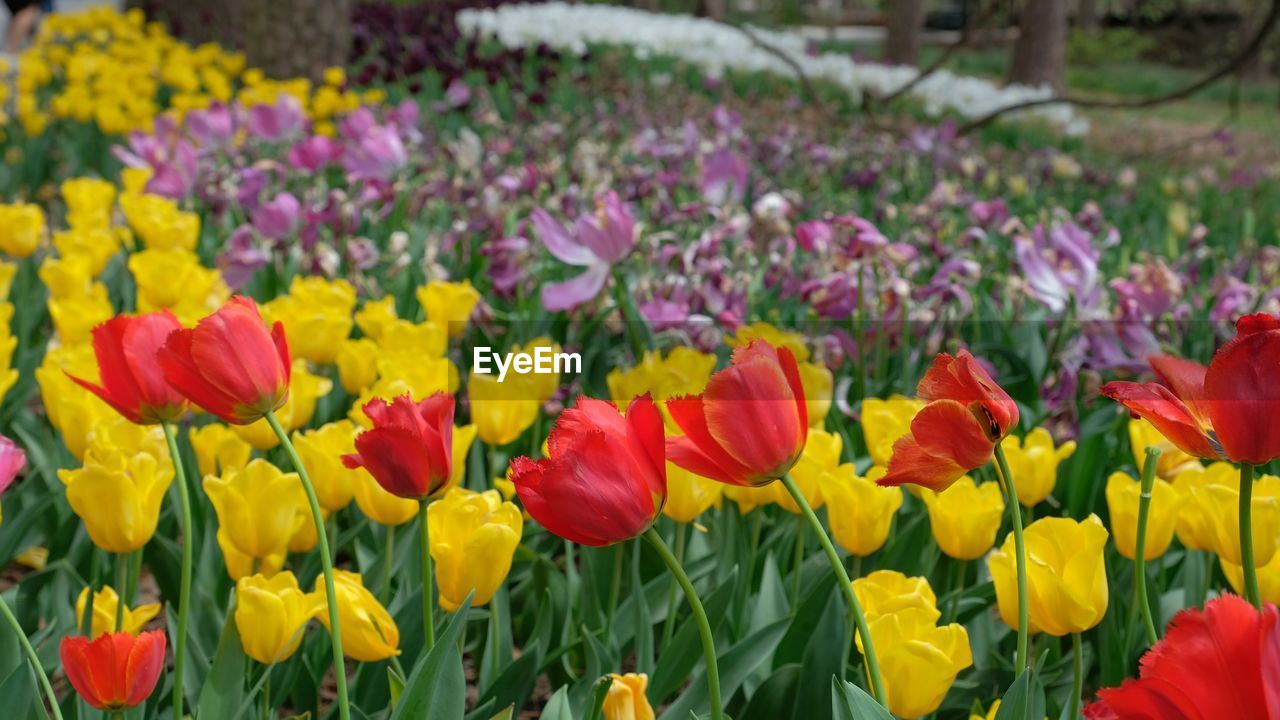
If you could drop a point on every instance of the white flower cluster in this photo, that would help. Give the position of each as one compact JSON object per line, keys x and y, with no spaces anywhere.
{"x":716,"y":48}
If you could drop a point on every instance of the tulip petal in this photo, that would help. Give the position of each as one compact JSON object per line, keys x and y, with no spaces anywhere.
{"x":698,"y":452}
{"x":1186,"y":379}
{"x":645,"y":430}
{"x":576,"y":291}
{"x":559,"y":241}
{"x":395,"y":457}
{"x":1242,"y":391}
{"x":1156,"y":404}
{"x":752,"y":411}
{"x":181,"y":372}
{"x":145,"y":661}
{"x":946,"y":441}
{"x":964,"y":380}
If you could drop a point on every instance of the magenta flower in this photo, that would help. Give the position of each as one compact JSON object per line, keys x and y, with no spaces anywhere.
{"x":277,"y":218}
{"x":314,"y":153}
{"x":374,"y":151}
{"x":212,"y":127}
{"x":278,"y":121}
{"x":12,"y":460}
{"x":602,"y":239}
{"x":724,"y":177}
{"x":172,"y":160}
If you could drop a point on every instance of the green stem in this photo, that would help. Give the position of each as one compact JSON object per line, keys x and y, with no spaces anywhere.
{"x":846,"y":586}
{"x":669,"y":626}
{"x":797,"y":564}
{"x":1002,"y":466}
{"x":624,"y":307}
{"x":184,"y":586}
{"x":957,"y":589}
{"x":122,"y":583}
{"x":1140,"y":551}
{"x":36,"y":667}
{"x":1077,"y":678}
{"x":495,"y":631}
{"x":699,"y":615}
{"x":326,"y":564}
{"x":1246,"y":536}
{"x":428,"y":579}
{"x":615,"y":589}
{"x":388,"y":561}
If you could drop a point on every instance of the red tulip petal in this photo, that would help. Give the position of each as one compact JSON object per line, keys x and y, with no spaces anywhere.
{"x":145,"y":661}
{"x":109,"y":347}
{"x":750,"y":411}
{"x":1186,"y":379}
{"x":645,"y":433}
{"x":396,"y":458}
{"x":1242,"y":390}
{"x":698,"y":452}
{"x":81,"y":672}
{"x":1257,"y":322}
{"x":181,"y":372}
{"x":946,"y":441}
{"x":143,"y":338}
{"x":1166,"y":412}
{"x":129,"y":413}
{"x":791,"y":370}
{"x":964,"y":380}
{"x":1271,"y":659}
{"x":282,"y":352}
{"x":236,"y":354}
{"x":592,"y":486}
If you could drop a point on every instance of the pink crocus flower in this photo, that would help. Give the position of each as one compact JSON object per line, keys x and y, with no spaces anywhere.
{"x":599,"y":240}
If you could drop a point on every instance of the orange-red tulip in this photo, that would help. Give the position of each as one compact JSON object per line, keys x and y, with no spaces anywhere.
{"x":751,"y":423}
{"x":605,"y":479}
{"x":1225,"y":410}
{"x":115,"y":672}
{"x":132,"y":381}
{"x":957,"y":431}
{"x":230,"y":364}
{"x":409,"y":448}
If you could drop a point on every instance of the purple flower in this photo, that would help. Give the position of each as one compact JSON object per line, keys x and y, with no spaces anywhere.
{"x":815,"y":235}
{"x":278,"y":121}
{"x":1060,"y":266}
{"x":277,"y":218}
{"x":1233,"y":299}
{"x":663,"y":314}
{"x":1151,"y":290}
{"x":314,"y":153}
{"x":600,"y":240}
{"x":241,"y":258}
{"x":724,"y":177}
{"x":988,"y":213}
{"x":458,"y":94}
{"x":377,"y":153}
{"x":172,"y":160}
{"x":12,"y":460}
{"x":212,"y":127}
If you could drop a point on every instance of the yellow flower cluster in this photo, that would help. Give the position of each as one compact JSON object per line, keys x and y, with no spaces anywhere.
{"x":117,"y":72}
{"x":919,"y":659}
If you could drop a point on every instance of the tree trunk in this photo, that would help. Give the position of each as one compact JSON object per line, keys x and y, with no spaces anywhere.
{"x":285,"y":38}
{"x":1087,"y":14}
{"x":905,"y":23}
{"x":1040,"y":55}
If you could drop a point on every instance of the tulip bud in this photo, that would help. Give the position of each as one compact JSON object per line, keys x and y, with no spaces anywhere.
{"x":259,"y":510}
{"x":1033,"y":461}
{"x":965,"y":517}
{"x":626,"y":698}
{"x":105,"y":604}
{"x":473,"y":539}
{"x":271,"y":614}
{"x":1065,"y":566}
{"x":368,"y":632}
{"x":1123,"y":496}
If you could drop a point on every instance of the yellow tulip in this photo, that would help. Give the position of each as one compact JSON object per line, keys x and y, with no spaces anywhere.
{"x":271,"y":614}
{"x":417,"y":377}
{"x":1123,"y":495}
{"x":317,"y":316}
{"x":21,"y":228}
{"x":357,"y":362}
{"x":96,"y":245}
{"x":991,"y":712}
{"x":368,"y":632}
{"x":1033,"y":461}
{"x":750,"y":498}
{"x":259,"y":509}
{"x":321,"y":452}
{"x":775,"y":336}
{"x":820,"y":457}
{"x":8,"y":271}
{"x":1195,"y":521}
{"x":105,"y":604}
{"x":8,"y":343}
{"x":305,"y":390}
{"x":888,"y":591}
{"x":1221,"y":506}
{"x":449,"y":304}
{"x":375,"y":316}
{"x":381,"y":506}
{"x":89,"y":201}
{"x":919,"y":661}
{"x":1066,"y":575}
{"x":818,"y":386}
{"x":884,"y":421}
{"x":174,"y":279}
{"x":965,"y":517}
{"x":74,"y":318}
{"x":159,"y":223}
{"x":67,"y":277}
{"x":626,"y":699}
{"x":1172,"y":460}
{"x":502,"y":411}
{"x":1268,"y":578}
{"x":859,"y":511}
{"x":684,"y":371}
{"x":464,"y":436}
{"x":401,"y":338}
{"x":473,"y":538}
{"x":689,"y":495}
{"x":118,"y":496}
{"x":218,"y":449}
{"x":544,"y":385}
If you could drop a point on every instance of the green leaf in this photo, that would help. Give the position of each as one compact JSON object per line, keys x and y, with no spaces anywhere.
{"x":395,"y":684}
{"x":824,"y":657}
{"x":437,"y":689}
{"x":223,"y":689}
{"x":1024,"y":700}
{"x":515,"y":684}
{"x":736,"y":664}
{"x":850,"y":702}
{"x":775,"y":697}
{"x":557,"y":708}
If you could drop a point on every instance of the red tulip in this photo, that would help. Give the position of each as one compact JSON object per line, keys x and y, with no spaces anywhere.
{"x":132,"y":381}
{"x":409,"y":450}
{"x":115,"y":672}
{"x":230,"y":364}
{"x":750,"y":425}
{"x":606,"y":479}
{"x":957,"y":431}
{"x":1226,"y":410}
{"x":1220,"y":662}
